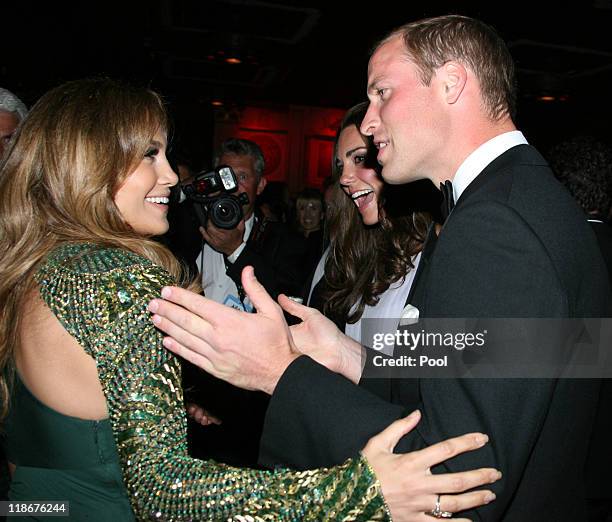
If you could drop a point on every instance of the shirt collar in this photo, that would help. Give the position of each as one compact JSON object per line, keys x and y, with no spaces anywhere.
{"x":248,"y":226}
{"x":476,"y":162}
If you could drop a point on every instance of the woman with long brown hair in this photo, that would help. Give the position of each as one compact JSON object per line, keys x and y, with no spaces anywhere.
{"x":373,"y":252}
{"x":91,"y":401}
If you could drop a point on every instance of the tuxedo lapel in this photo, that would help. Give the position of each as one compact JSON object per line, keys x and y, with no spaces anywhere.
{"x":428,"y":248}
{"x":520,"y":153}
{"x":406,"y":391}
{"x":415,"y":297}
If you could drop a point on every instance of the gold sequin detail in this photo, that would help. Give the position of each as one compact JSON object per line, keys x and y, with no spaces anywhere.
{"x":100,"y":296}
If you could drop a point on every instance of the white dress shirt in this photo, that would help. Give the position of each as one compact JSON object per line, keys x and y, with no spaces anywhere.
{"x":386,"y":312}
{"x":217,"y":285}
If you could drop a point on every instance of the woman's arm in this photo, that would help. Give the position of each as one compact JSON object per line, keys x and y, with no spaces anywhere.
{"x":101,"y":299}
{"x":102,"y":302}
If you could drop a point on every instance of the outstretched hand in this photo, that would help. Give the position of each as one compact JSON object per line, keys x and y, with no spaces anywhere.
{"x":319,"y":338}
{"x":248,"y":350}
{"x":409,"y":487}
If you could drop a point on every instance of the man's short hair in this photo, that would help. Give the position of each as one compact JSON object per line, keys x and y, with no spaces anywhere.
{"x":242,"y":147}
{"x":584,"y":165}
{"x":432,"y":42}
{"x":10,"y":103}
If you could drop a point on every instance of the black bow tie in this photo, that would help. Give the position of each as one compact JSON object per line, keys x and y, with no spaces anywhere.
{"x":448,"y":199}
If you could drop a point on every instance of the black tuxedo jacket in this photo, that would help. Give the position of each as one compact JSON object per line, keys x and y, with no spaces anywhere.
{"x":599,"y":461}
{"x":516,"y":245}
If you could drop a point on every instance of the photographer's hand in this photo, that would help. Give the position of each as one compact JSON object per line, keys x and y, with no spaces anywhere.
{"x":224,"y":241}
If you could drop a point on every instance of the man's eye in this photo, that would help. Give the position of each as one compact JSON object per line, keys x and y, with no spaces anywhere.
{"x":381,"y":93}
{"x":242,"y":177}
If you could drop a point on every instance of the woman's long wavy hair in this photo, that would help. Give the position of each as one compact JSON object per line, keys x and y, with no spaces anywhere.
{"x":365,"y":260}
{"x":57,"y":183}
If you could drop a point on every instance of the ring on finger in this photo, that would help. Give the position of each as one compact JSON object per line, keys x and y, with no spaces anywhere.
{"x":437,"y":512}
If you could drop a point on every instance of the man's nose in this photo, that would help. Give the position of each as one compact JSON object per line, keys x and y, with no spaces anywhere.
{"x":370,"y":121}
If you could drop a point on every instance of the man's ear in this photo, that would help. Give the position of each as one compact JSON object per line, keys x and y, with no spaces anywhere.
{"x":454,"y":78}
{"x":261,"y":185}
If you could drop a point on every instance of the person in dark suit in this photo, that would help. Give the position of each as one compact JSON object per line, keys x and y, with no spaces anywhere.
{"x":584,"y":165}
{"x":515,"y":246}
{"x":276,"y":256}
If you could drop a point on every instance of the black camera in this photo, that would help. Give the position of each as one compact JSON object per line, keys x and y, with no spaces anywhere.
{"x":212,"y":198}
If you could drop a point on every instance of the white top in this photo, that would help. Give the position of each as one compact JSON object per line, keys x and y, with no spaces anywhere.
{"x":388,"y":310}
{"x":217,"y":285}
{"x":318,"y":274}
{"x":476,"y":162}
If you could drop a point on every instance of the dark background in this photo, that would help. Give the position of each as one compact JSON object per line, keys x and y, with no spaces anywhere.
{"x":303,"y":52}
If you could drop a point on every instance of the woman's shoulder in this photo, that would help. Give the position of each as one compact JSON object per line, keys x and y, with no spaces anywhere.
{"x":99,"y":294}
{"x":98,"y":279}
{"x":92,"y":259}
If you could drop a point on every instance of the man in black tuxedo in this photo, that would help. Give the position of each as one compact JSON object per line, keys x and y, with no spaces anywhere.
{"x":516,"y":245}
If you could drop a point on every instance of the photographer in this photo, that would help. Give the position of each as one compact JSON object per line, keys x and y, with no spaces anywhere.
{"x":267,"y":246}
{"x":276,"y":255}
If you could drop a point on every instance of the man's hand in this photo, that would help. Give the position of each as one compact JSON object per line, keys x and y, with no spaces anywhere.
{"x":224,"y":241}
{"x":251,"y":351}
{"x":319,"y":338}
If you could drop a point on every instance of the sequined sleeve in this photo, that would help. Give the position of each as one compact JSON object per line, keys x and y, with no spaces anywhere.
{"x":100,"y":296}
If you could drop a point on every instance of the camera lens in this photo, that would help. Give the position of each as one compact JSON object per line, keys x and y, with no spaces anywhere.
{"x":226,"y":212}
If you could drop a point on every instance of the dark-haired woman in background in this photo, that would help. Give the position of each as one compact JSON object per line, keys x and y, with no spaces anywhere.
{"x":373,"y":255}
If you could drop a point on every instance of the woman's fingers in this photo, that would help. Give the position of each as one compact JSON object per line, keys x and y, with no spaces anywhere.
{"x":449,"y":483}
{"x":389,"y":437}
{"x":462,"y":481}
{"x":464,"y":501}
{"x":456,"y":503}
{"x":411,"y":490}
{"x":436,"y":453}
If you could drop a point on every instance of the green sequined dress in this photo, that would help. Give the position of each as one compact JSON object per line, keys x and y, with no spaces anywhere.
{"x":100,"y":296}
